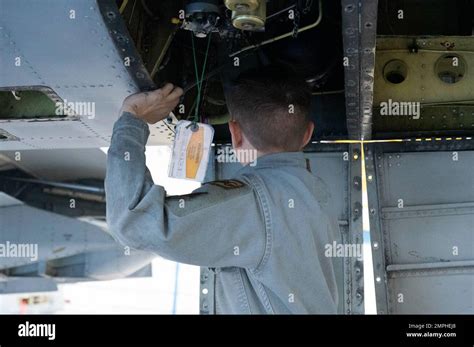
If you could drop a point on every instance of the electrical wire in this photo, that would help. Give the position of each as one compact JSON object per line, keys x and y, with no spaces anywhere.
{"x":204,"y":90}
{"x":274,"y":39}
{"x":280,"y":12}
{"x":165,"y":49}
{"x":329,"y":92}
{"x":131,"y":15}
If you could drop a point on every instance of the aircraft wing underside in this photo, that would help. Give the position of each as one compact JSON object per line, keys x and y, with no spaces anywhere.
{"x":84,"y":60}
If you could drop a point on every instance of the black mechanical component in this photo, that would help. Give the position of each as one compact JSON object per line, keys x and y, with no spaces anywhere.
{"x":202,"y":17}
{"x":168,"y":52}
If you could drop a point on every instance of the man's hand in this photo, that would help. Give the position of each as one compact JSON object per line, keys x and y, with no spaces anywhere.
{"x":155,"y":105}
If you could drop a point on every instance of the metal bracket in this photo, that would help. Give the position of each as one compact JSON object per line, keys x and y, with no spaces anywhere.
{"x":359,"y":28}
{"x":355,"y":266}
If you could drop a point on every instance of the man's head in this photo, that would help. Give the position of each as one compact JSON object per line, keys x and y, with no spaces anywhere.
{"x":269,"y":112}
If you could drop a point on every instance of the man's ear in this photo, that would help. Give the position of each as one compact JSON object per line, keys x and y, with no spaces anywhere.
{"x":308,"y":134}
{"x":236,"y":134}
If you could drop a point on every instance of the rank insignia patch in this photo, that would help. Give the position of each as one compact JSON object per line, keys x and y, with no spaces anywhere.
{"x":228,"y":184}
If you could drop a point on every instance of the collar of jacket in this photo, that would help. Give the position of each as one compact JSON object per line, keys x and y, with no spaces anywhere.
{"x":276,"y":160}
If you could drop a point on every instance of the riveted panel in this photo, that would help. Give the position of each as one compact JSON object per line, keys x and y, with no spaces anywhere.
{"x":77,"y":50}
{"x":421,"y":202}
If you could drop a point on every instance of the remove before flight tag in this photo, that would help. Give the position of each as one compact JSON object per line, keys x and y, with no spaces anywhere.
{"x":191,"y":148}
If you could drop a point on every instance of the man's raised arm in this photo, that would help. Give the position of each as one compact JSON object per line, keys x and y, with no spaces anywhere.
{"x":214,"y":226}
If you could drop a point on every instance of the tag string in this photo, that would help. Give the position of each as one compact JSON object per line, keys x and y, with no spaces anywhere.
{"x":200,"y":79}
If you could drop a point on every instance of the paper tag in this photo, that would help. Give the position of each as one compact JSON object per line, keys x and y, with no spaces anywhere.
{"x":191,"y":148}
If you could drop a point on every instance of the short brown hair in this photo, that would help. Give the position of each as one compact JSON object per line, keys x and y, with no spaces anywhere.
{"x":272,"y":107}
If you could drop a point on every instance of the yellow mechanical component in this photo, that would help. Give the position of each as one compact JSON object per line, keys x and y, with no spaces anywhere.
{"x":244,"y":18}
{"x":247,"y":22}
{"x":242,"y":5}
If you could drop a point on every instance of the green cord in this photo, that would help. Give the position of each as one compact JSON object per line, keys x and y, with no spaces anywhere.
{"x":195,"y":63}
{"x":199,"y":81}
{"x":205,"y":59}
{"x":198,"y":85}
{"x":191,"y":110}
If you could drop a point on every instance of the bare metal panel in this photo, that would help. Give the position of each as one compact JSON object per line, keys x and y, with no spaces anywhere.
{"x":421,"y":203}
{"x":77,"y":51}
{"x":446,"y":291}
{"x":427,"y":178}
{"x":430,"y":238}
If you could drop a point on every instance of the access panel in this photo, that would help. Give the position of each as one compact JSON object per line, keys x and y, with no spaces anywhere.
{"x":421,"y":206}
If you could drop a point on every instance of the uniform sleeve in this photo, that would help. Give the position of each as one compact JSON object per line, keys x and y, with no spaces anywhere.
{"x":218,"y":225}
